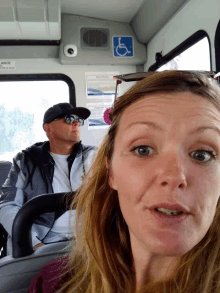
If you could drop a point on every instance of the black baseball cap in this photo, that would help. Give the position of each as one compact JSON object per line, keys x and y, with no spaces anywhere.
{"x":62,"y":109}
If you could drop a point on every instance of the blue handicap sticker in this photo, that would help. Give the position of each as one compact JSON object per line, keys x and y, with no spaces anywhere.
{"x":123,"y":47}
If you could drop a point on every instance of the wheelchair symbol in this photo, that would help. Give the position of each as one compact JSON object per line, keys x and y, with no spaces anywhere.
{"x":122,"y":48}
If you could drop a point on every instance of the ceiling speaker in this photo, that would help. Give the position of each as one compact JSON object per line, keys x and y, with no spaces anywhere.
{"x":95,"y":38}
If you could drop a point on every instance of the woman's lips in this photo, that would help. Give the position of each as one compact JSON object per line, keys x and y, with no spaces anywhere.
{"x":169,"y":206}
{"x":168,"y":220}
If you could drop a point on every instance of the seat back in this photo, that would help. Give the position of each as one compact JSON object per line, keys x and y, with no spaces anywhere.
{"x":5,"y":167}
{"x":3,"y":241}
{"x":16,"y":274}
{"x":31,"y":210}
{"x":18,"y":270}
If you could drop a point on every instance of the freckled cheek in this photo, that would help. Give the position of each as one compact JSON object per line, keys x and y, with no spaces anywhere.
{"x":210,"y":182}
{"x":206,"y":191}
{"x":130,"y":179}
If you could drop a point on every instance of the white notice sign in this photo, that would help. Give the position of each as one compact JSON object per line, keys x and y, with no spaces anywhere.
{"x":100,"y":95}
{"x":7,"y":64}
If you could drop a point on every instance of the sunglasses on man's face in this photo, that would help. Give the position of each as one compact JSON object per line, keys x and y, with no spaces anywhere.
{"x":70,"y":119}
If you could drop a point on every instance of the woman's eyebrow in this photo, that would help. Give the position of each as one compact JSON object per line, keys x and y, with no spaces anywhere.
{"x":148,"y":123}
{"x":157,"y":127}
{"x":203,"y":128}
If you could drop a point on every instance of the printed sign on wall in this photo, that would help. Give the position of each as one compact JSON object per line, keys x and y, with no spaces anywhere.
{"x":100,"y":95}
{"x":7,"y":64}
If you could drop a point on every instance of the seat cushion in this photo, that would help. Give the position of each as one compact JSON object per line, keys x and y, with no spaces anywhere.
{"x":16,"y":274}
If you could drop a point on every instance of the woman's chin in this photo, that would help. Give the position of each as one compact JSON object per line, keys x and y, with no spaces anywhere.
{"x":171,"y":245}
{"x":176,"y":250}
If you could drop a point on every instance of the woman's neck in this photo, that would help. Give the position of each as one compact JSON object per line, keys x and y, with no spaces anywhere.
{"x":150,"y":266}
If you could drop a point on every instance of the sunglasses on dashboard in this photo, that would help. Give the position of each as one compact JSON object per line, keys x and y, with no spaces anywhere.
{"x":137,"y":76}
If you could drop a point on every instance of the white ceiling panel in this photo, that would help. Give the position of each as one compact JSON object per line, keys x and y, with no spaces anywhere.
{"x":30,"y":20}
{"x":115,"y":10}
{"x":153,"y":15}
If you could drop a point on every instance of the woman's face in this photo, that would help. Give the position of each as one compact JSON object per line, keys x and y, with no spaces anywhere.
{"x":164,"y":156}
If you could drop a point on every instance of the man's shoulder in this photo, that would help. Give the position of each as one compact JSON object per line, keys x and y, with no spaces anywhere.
{"x":92,"y":147}
{"x":37,"y":147}
{"x":86,"y":148}
{"x":33,"y":150}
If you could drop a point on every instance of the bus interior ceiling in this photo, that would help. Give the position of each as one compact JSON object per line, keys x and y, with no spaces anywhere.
{"x":75,"y":38}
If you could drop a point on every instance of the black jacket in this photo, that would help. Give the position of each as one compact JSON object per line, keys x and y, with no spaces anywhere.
{"x":31,"y":175}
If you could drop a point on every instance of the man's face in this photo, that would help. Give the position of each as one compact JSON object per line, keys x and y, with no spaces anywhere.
{"x":61,"y":131}
{"x":159,"y":158}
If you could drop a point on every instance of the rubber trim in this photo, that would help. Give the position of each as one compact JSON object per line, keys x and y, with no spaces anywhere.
{"x":192,"y":40}
{"x":29,"y":43}
{"x":217,"y":47}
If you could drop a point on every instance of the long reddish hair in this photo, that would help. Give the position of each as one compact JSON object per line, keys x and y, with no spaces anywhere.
{"x":101,"y":258}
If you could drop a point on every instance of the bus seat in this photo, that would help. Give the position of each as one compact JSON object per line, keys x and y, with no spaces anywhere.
{"x":5,"y":167}
{"x":18,"y":270}
{"x":4,"y":170}
{"x":16,"y":274}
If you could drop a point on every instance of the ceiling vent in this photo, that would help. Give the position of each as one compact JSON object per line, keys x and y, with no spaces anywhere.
{"x":97,"y":38}
{"x":30,"y":20}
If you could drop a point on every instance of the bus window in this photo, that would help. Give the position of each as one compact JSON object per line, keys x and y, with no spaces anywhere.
{"x":22,"y":107}
{"x":196,"y":57}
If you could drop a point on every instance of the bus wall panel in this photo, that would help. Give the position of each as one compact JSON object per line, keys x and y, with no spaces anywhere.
{"x":71,"y":26}
{"x":194,"y":16}
{"x":152,"y":16}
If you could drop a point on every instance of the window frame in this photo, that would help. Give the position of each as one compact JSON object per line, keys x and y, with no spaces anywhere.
{"x":43,"y":77}
{"x":217,"y":47}
{"x":189,"y":42}
{"x":30,"y":43}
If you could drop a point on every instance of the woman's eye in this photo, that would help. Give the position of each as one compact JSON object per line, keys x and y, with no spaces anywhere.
{"x":142,"y":150}
{"x":203,"y":155}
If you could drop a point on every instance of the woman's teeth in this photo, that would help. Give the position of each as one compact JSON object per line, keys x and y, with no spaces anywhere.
{"x":169,"y":212}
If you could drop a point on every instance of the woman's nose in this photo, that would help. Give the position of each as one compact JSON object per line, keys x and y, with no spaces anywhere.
{"x":172,"y":174}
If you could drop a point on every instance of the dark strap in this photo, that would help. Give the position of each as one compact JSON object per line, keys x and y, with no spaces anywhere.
{"x":65,"y":202}
{"x":3,"y":241}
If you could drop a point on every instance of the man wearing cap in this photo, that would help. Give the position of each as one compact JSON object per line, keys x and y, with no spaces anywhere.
{"x":53,"y":166}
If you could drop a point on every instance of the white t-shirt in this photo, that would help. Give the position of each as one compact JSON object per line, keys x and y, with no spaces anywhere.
{"x":61,"y":183}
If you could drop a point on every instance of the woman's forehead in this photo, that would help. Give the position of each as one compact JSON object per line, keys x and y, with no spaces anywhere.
{"x":170,"y":106}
